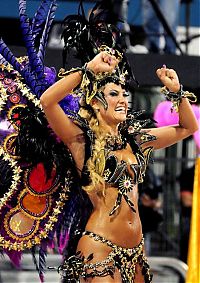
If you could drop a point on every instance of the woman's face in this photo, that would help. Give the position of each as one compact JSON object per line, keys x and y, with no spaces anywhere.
{"x":117,"y":100}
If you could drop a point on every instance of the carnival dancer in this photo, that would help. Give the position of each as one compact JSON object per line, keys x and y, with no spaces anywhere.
{"x":78,"y":183}
{"x":110,"y":149}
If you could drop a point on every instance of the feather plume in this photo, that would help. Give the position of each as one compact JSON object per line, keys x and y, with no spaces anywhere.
{"x":49,"y":19}
{"x":42,"y":261}
{"x":35,"y":63}
{"x":40,"y":17}
{"x":9,"y":57}
{"x":33,"y":253}
{"x":88,"y":35}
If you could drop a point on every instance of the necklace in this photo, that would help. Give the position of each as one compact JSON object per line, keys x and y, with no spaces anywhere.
{"x":115,"y":142}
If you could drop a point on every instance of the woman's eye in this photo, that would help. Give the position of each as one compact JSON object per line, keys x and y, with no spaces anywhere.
{"x":126,"y":94}
{"x":113,"y":93}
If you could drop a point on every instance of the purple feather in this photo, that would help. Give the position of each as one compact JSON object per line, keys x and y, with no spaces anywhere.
{"x":50,"y":75}
{"x":3,"y":60}
{"x":9,"y":57}
{"x":70,"y":103}
{"x":34,"y":61}
{"x":63,"y":240}
{"x":37,"y":77}
{"x":39,"y":18}
{"x":15,"y":257}
{"x":5,"y":129}
{"x":49,"y":20}
{"x":29,"y":77}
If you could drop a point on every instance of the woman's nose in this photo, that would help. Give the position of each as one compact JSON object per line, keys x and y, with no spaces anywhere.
{"x":122,"y":98}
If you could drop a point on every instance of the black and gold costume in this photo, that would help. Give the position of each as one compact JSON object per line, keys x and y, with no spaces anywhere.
{"x":116,"y":174}
{"x":124,"y":259}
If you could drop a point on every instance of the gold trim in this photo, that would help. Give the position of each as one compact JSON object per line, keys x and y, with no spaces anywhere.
{"x":12,"y":235}
{"x":43,"y":233}
{"x":9,"y":114}
{"x":24,"y":90}
{"x":15,"y":178}
{"x":50,"y":191}
{"x":5,"y":146}
{"x":111,"y":51}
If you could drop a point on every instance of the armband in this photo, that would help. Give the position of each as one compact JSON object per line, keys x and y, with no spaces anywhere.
{"x":85,"y":71}
{"x":176,"y":97}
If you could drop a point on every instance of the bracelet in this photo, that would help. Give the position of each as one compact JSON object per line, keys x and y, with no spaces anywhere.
{"x":176,"y":97}
{"x":88,"y":83}
{"x":62,"y":73}
{"x":88,"y":73}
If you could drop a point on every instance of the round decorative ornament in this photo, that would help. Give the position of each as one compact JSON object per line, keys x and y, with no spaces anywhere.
{"x":35,"y":207}
{"x":19,"y":226}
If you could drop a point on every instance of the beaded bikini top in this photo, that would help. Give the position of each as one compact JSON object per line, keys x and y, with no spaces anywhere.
{"x":117,"y":172}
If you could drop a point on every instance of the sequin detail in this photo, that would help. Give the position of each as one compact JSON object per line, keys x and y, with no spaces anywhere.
{"x":124,"y":259}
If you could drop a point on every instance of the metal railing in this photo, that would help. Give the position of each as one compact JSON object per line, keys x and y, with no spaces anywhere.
{"x":175,"y":265}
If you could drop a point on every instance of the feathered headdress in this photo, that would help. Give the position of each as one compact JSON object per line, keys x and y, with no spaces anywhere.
{"x":90,"y":36}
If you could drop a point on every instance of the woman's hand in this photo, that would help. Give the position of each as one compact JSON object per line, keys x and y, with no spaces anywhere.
{"x":169,"y":78}
{"x":103,"y":62}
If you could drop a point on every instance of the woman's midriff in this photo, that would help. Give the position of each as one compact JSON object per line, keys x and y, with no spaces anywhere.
{"x":123,"y":227}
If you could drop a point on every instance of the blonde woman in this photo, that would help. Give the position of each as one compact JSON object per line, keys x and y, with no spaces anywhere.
{"x":110,"y":151}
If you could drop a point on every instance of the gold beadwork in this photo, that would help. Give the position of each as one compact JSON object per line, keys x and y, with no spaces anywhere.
{"x":176,"y":98}
{"x":24,"y":90}
{"x":111,"y":51}
{"x":36,"y":238}
{"x":15,"y":178}
{"x":125,"y":259}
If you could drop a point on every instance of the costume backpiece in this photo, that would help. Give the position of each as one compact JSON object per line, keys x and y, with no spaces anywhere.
{"x":41,"y":195}
{"x":36,"y":168}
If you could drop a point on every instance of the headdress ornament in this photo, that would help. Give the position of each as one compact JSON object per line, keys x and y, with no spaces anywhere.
{"x":91,"y":83}
{"x":88,"y":38}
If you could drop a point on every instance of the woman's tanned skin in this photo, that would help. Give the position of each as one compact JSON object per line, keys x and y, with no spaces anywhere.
{"x":124,"y":227}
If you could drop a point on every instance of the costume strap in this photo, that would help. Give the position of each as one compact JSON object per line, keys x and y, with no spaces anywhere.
{"x":103,"y":240}
{"x":176,"y":97}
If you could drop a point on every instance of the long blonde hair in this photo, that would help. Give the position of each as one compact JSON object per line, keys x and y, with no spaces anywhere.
{"x":96,"y":163}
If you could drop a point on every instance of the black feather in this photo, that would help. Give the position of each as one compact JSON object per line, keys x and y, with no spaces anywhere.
{"x":36,"y":142}
{"x":5,"y":177}
{"x":85,"y":36}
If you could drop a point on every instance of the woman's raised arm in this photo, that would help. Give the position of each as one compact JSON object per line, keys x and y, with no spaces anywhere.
{"x":58,"y":120}
{"x":166,"y":136}
{"x":65,"y":129}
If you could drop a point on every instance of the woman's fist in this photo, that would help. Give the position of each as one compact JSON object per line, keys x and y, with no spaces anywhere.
{"x":103,"y":62}
{"x":169,"y":78}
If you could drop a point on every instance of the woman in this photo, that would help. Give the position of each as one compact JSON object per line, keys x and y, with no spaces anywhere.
{"x":111,"y":248}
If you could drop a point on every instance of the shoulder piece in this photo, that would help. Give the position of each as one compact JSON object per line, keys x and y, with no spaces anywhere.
{"x":132,"y":130}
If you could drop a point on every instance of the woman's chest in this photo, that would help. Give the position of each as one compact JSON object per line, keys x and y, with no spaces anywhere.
{"x":124,"y":167}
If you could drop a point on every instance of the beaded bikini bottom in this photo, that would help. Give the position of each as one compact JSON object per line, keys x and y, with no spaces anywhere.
{"x":124,"y":259}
